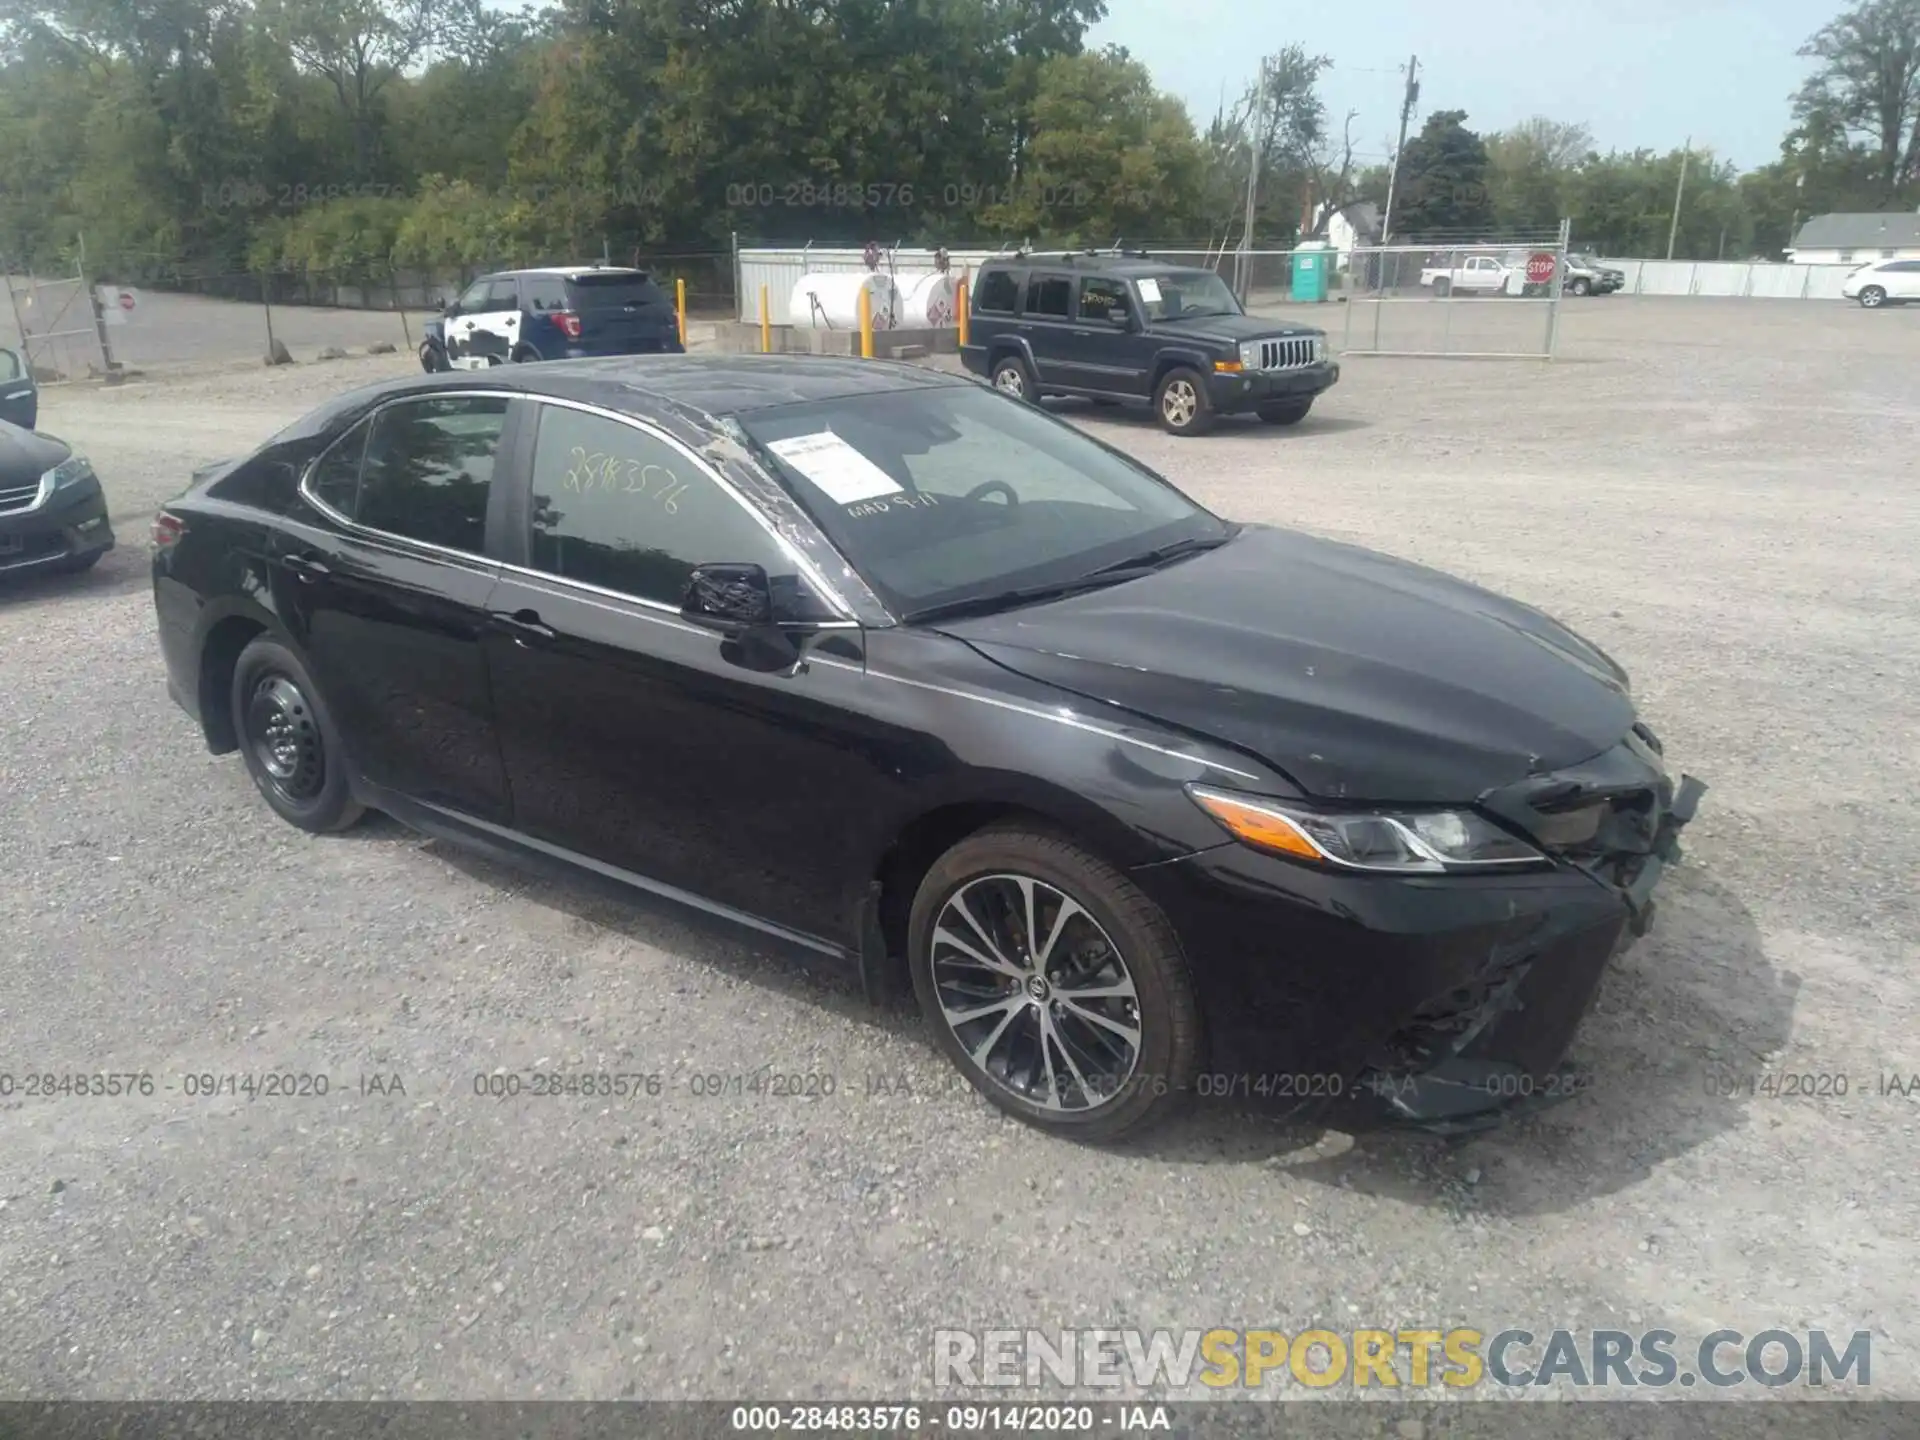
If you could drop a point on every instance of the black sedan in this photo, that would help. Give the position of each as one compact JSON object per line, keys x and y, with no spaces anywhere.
{"x":1141,"y":802}
{"x":53,"y":516}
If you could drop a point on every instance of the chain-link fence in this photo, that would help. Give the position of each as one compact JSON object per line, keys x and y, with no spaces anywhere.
{"x":1491,"y":298}
{"x":145,"y":312}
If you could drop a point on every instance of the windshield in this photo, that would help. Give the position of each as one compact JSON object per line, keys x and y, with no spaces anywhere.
{"x":1185,"y":295}
{"x":952,"y":494}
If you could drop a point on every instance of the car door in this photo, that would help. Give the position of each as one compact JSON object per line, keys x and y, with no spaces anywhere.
{"x":1046,"y":324}
{"x":384,"y":582}
{"x":1903,"y":279}
{"x":19,"y":395}
{"x":1101,"y":355}
{"x":495,"y":331}
{"x":460,"y":319}
{"x":641,"y":741}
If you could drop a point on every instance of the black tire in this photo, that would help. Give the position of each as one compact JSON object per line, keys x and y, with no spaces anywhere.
{"x":1120,"y":934}
{"x":1285,"y":412}
{"x":1180,"y":403}
{"x":1442,"y":288}
{"x":1872,"y":298}
{"x":1012,"y":378}
{"x":1578,"y":286}
{"x":526,"y":355}
{"x":433,"y":359}
{"x":272,"y":687}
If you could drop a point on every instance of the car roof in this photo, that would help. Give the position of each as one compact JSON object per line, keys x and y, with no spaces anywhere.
{"x":716,"y":385}
{"x":572,"y":271}
{"x":1125,"y":265}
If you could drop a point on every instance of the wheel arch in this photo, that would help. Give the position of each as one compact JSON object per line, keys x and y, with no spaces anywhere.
{"x":220,"y":649}
{"x":923,"y":837}
{"x":1168,"y":360}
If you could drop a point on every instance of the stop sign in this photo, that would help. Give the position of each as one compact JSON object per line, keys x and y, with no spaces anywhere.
{"x":1540,"y":269}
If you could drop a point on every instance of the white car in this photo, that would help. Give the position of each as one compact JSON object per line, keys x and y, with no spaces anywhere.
{"x":1884,"y":282}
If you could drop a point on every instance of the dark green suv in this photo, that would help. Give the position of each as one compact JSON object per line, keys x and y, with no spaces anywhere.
{"x":1123,"y":326}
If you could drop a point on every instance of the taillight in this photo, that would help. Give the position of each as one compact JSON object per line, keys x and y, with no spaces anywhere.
{"x":568,"y":322}
{"x":167,"y":530}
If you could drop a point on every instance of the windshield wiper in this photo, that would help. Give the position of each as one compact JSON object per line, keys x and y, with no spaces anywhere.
{"x":1166,"y":554}
{"x":1025,"y":595}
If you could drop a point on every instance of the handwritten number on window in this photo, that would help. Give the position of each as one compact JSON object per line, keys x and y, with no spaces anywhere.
{"x":612,"y":473}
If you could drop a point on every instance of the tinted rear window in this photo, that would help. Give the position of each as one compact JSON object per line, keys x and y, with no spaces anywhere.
{"x":592,"y":292}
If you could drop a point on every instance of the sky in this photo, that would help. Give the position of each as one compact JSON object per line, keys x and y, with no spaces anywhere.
{"x":1636,"y":72}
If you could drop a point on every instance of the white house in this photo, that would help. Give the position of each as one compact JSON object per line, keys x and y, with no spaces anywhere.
{"x":1857,"y":239}
{"x":1350,"y":225}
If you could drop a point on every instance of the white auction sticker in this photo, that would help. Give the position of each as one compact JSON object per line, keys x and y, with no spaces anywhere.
{"x":1149,"y":289}
{"x":836,"y":467}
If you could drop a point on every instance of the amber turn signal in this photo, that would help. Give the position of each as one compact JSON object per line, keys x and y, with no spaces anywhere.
{"x":1258,"y":825}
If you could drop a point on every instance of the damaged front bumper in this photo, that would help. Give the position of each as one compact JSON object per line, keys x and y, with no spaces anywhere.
{"x":1441,"y":1003}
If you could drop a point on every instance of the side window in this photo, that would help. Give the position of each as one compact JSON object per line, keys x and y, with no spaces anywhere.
{"x":336,"y":479}
{"x":1846,"y":257}
{"x":473,"y":298}
{"x":1049,"y":295}
{"x":999,"y":292}
{"x":617,"y":507}
{"x":10,"y":366}
{"x":503,"y":294}
{"x":1100,"y":298}
{"x":429,"y":468}
{"x":544,"y":292}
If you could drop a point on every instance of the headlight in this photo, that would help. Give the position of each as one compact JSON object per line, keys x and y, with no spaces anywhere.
{"x":1400,"y":841}
{"x":70,"y":471}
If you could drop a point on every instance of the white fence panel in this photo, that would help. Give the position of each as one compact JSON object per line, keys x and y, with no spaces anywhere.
{"x":780,"y":270}
{"x":1760,"y":280}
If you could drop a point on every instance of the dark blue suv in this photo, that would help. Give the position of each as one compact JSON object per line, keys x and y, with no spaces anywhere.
{"x":1125,"y":327}
{"x":559,"y":313}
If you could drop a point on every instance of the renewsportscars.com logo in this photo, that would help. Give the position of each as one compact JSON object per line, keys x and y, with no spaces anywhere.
{"x":1458,"y":1358}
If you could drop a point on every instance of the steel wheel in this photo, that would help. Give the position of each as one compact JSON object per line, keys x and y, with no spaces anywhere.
{"x":1036,"y":993}
{"x":285,"y":738}
{"x":1179,"y":403}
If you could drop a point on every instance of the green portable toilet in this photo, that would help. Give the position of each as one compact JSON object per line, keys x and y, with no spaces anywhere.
{"x":1311,"y":264}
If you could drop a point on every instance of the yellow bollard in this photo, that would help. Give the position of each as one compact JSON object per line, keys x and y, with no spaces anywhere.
{"x":766,"y":325}
{"x":960,"y":308}
{"x":680,"y":308}
{"x":866,"y":323}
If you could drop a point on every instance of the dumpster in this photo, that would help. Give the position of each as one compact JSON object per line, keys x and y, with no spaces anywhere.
{"x":1311,"y":264}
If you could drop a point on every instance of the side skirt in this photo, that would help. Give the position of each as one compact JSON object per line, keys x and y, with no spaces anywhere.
{"x":526,"y":852}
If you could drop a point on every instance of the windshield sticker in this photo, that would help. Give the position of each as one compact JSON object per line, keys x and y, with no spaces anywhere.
{"x":836,"y":467}
{"x":1149,"y":289}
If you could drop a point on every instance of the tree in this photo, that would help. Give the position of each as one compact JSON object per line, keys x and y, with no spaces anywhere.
{"x":1442,"y":187}
{"x":1530,"y":172}
{"x":359,"y":47}
{"x":1109,"y":156}
{"x":1868,"y":84}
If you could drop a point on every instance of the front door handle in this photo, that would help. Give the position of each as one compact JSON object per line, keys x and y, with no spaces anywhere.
{"x":523,"y":623}
{"x":306,"y":567}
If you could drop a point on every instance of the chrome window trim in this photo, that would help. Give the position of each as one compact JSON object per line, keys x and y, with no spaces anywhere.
{"x":801,"y":562}
{"x":306,"y":478}
{"x":666,"y":614}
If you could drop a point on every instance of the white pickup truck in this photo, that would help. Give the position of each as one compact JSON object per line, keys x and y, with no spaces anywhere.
{"x":1475,"y":274}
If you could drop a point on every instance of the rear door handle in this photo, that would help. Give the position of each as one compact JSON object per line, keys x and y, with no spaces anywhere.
{"x":305,"y":566}
{"x":523,"y":623}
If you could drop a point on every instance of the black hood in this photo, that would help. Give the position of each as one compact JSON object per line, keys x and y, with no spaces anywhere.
{"x":1359,"y":676}
{"x":1231,"y":329}
{"x":26,"y":455}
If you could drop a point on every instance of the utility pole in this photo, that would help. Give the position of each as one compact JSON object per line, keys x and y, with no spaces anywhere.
{"x":1243,"y":269}
{"x":1679,"y":192}
{"x":1406,"y":115}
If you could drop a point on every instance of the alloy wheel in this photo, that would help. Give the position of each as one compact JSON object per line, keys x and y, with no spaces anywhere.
{"x":1037,"y":994}
{"x":1180,"y":403}
{"x":1872,"y":296}
{"x":285,"y":739}
{"x":1009,"y":381}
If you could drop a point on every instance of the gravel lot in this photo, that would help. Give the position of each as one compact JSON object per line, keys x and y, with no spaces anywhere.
{"x":1721,"y":493}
